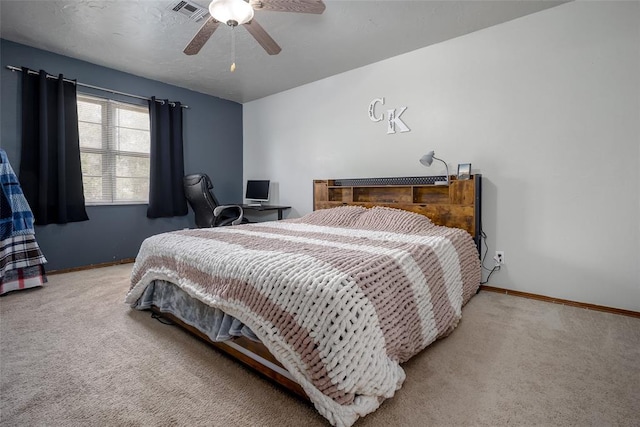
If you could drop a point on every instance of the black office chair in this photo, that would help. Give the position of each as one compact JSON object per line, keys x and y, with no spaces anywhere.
{"x":209,"y":213}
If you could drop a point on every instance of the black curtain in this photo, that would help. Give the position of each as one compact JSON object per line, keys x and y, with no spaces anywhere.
{"x":166,"y":193}
{"x":50,"y":171}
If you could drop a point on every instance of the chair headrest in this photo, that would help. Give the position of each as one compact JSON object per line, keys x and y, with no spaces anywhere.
{"x":196,"y":178}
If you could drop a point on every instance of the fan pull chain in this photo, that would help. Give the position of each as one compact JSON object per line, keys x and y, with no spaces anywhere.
{"x":233,"y":49}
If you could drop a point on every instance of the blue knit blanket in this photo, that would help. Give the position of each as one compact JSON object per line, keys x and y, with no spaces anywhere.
{"x":16,"y":217}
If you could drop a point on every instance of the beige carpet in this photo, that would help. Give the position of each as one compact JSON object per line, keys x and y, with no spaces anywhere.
{"x":72,"y":353}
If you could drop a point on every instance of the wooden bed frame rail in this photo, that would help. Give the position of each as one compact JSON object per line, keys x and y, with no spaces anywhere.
{"x":252,"y":354}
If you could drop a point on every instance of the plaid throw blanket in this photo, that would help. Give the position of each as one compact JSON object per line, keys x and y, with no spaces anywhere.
{"x":340,"y":296}
{"x":20,"y":251}
{"x":16,"y":217}
{"x":22,"y":278}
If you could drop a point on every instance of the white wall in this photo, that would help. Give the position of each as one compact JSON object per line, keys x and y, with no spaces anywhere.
{"x":546,"y":107}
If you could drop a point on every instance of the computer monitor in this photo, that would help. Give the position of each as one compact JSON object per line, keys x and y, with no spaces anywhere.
{"x":258,"y":190}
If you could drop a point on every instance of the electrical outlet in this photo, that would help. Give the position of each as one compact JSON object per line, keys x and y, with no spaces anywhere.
{"x":499,"y":258}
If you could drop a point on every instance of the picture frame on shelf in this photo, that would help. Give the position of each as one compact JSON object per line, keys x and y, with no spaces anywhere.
{"x":464,"y":171}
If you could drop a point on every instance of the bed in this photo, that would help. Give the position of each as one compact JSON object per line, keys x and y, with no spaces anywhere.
{"x":330,"y":304}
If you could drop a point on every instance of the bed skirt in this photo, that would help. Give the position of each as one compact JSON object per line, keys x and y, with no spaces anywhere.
{"x":217,"y":325}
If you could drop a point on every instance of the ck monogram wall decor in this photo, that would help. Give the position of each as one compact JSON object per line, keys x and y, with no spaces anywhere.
{"x":393,"y":119}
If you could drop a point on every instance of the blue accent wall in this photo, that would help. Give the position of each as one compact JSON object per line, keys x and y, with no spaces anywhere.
{"x":212,"y":144}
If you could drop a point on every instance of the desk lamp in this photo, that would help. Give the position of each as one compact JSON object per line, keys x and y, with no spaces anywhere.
{"x":427,"y":159}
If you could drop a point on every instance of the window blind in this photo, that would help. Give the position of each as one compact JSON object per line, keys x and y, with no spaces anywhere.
{"x":114,"y":149}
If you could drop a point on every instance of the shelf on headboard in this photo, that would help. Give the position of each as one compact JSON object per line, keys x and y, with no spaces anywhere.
{"x":455,"y":205}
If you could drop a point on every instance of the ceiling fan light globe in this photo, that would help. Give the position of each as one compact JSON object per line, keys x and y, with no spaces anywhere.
{"x":237,"y":11}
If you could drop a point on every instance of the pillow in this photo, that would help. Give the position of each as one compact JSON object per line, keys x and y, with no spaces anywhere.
{"x":394,"y":220}
{"x":342,"y":216}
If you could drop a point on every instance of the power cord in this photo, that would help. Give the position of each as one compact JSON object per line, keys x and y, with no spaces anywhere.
{"x":161,"y":319}
{"x":495,"y":268}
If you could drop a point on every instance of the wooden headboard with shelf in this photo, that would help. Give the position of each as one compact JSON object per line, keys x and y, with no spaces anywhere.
{"x":456,"y":205}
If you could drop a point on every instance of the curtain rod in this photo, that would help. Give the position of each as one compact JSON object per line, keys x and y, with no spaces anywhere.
{"x":12,"y":68}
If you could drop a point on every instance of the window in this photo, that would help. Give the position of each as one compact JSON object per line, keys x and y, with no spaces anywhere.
{"x":114,"y":149}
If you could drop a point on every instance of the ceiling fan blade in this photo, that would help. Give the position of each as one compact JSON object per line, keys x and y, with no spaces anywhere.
{"x":201,"y":37}
{"x":298,"y":6}
{"x":262,"y":37}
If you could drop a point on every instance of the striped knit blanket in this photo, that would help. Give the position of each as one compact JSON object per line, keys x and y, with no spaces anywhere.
{"x":340,"y":296}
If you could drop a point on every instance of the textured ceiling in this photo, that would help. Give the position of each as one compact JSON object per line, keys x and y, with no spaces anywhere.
{"x":146,"y":38}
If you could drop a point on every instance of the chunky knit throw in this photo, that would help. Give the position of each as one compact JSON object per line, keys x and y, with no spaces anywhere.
{"x":340,"y":296}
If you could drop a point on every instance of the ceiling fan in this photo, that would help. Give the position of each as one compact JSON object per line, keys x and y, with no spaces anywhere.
{"x":240,"y":12}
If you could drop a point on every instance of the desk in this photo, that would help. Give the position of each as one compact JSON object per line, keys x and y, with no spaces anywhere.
{"x":263,"y":208}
